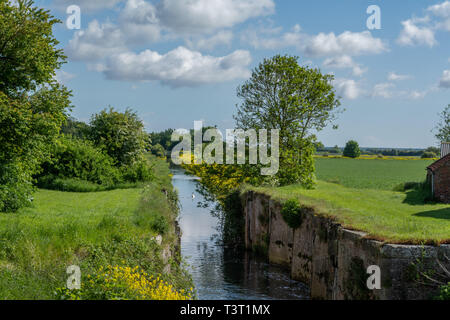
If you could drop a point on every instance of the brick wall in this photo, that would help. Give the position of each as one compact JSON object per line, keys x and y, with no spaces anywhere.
{"x":442,"y":183}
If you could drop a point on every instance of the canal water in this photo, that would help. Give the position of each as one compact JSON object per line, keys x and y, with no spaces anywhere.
{"x":220,"y":273}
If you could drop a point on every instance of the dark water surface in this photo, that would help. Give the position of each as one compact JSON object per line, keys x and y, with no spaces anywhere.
{"x":219,"y":273}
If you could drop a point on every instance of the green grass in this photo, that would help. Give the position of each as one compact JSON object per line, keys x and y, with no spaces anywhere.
{"x":359,"y":195}
{"x":371,"y":174}
{"x":91,"y":230}
{"x":390,"y":216}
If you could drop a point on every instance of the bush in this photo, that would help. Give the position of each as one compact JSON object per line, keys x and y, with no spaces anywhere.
{"x":429,"y":155}
{"x":120,"y":135}
{"x":15,"y":187}
{"x":291,"y":213}
{"x":139,"y":171}
{"x":352,"y":150}
{"x":79,"y":160}
{"x":444,"y":292}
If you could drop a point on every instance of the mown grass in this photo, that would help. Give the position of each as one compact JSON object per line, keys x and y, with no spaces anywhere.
{"x":370,"y":173}
{"x":396,"y":217}
{"x":91,"y":230}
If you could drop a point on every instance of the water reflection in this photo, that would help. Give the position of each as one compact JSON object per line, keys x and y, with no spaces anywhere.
{"x":220,"y":273}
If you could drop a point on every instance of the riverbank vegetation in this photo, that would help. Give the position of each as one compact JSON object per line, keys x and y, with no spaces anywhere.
{"x":93,"y":231}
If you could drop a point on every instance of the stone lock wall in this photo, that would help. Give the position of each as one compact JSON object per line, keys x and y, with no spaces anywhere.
{"x":334,"y":260}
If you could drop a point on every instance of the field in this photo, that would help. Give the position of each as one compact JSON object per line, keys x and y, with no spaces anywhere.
{"x":371,"y":173}
{"x":361,"y":198}
{"x":92,"y":230}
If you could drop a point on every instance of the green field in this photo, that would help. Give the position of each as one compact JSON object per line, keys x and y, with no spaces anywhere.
{"x":371,"y":174}
{"x":91,"y":230}
{"x":360,"y":197}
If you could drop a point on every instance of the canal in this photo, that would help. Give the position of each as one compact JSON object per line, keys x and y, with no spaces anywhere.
{"x":220,"y":273}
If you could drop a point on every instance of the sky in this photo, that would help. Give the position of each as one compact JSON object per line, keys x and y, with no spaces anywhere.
{"x":179,"y":61}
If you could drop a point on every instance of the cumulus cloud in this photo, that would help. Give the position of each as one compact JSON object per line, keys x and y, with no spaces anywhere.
{"x":384,"y":90}
{"x":208,"y":15}
{"x":392,"y":76}
{"x":139,"y":22}
{"x":347,"y":43}
{"x":179,"y":67}
{"x":413,"y":34}
{"x":441,"y":10}
{"x":63,"y":77}
{"x":96,"y":42}
{"x":445,"y":80}
{"x":87,"y":5}
{"x":347,"y":88}
{"x":345,"y":62}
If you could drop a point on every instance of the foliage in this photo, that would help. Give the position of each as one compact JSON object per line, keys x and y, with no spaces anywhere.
{"x":124,"y":283}
{"x":121,"y":135}
{"x":28,"y":53}
{"x":28,"y":129}
{"x":352,"y":150}
{"x":295,"y":100}
{"x":32,"y":105}
{"x":76,"y":158}
{"x":138,"y":171}
{"x":291,"y":213}
{"x":444,"y":293}
{"x":164,"y":139}
{"x":76,"y":129}
{"x":158,"y":150}
{"x":90,"y":230}
{"x":443,"y":127}
{"x":429,"y":155}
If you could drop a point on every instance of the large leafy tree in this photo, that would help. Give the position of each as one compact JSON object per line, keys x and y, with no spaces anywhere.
{"x":32,"y":104}
{"x":443,"y":127}
{"x":294,"y":99}
{"x":120,"y":134}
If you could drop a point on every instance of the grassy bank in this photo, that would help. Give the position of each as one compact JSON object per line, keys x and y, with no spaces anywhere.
{"x":361,"y":198}
{"x":92,"y":230}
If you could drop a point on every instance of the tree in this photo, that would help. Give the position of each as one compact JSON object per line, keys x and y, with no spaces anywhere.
{"x":32,"y":105}
{"x":443,"y":127}
{"x":121,"y":135}
{"x":28,"y":53}
{"x":352,"y":150}
{"x":76,"y":129}
{"x":283,"y":95}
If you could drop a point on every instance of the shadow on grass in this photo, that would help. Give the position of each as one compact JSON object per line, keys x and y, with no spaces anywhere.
{"x":436,"y":214}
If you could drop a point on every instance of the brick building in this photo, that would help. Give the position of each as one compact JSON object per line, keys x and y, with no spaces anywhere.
{"x":439,"y":176}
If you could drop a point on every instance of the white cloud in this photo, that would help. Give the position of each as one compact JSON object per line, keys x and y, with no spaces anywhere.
{"x":418,"y":94}
{"x":344,"y":62}
{"x":96,"y":42}
{"x":384,"y":90}
{"x":203,"y":16}
{"x":87,"y":5}
{"x":222,"y":38}
{"x":412,"y":34}
{"x":139,"y":22}
{"x":445,"y":80}
{"x":347,"y":88}
{"x":179,"y":67}
{"x":347,"y":43}
{"x":392,"y":76}
{"x":441,"y":10}
{"x":275,"y":40}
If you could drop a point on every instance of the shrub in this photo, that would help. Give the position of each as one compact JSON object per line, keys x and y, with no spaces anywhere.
{"x":352,"y":150}
{"x":124,"y":283}
{"x":291,"y":213}
{"x":15,"y":187}
{"x":140,"y":170}
{"x":79,"y":160}
{"x":444,"y":292}
{"x":429,"y":155}
{"x":120,"y":135}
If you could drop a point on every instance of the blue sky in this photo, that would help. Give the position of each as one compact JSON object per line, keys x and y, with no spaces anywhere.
{"x":177,"y":61}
